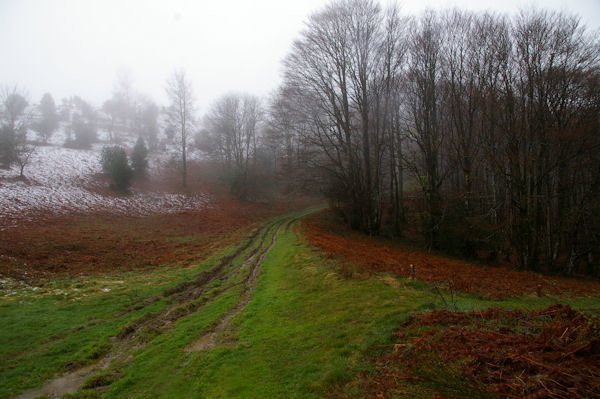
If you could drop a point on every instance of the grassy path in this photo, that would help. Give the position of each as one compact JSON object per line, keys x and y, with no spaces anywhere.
{"x":301,"y":332}
{"x":268,"y":318}
{"x":179,"y":301}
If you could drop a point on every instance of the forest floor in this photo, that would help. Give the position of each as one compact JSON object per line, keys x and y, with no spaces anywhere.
{"x":234,"y":301}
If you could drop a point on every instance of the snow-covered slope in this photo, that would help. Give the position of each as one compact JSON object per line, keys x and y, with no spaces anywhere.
{"x":64,"y":181}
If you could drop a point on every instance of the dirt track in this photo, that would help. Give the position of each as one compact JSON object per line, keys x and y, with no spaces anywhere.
{"x":254,"y":262}
{"x":240,"y":268}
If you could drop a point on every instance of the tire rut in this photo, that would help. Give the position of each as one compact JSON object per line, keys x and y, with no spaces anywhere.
{"x":186,"y":294}
{"x":185,"y":299}
{"x":212,"y":338}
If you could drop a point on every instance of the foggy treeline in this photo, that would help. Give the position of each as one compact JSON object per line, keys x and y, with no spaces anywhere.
{"x":482,"y":129}
{"x":479,"y":132}
{"x":126,"y":116}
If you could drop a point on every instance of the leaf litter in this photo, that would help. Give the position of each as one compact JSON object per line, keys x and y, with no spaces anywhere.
{"x":363,"y":254}
{"x":548,"y":353}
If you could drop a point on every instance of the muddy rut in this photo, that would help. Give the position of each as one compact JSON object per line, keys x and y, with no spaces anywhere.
{"x":241,"y":268}
{"x":211,"y":338}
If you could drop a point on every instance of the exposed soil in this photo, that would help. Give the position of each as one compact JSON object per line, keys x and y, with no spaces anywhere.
{"x":187,"y":297}
{"x":213,"y":338}
{"x":549,"y":353}
{"x":368,"y":255}
{"x":68,"y":383}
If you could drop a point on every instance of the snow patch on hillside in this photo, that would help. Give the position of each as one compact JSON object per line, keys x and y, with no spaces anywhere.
{"x":61,"y":181}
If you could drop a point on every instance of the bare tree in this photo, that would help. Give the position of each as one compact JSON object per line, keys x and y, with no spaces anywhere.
{"x":147,"y":120}
{"x":23,"y":151}
{"x":388,"y":104}
{"x":332,"y":75}
{"x":463,"y":58}
{"x":111,"y":110}
{"x":82,"y":130}
{"x":121,"y":109}
{"x":424,"y":126}
{"x":232,"y":128}
{"x":124,"y":97}
{"x":553,"y":61}
{"x":283,"y":136}
{"x":180,"y":114}
{"x":495,"y":118}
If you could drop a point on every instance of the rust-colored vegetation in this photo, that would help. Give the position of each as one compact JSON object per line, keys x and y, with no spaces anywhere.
{"x":97,"y":244}
{"x":104,"y":242}
{"x":364,"y":255}
{"x":549,"y":353}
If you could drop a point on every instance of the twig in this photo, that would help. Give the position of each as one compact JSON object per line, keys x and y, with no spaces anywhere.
{"x":437,"y":289}
{"x":479,"y":310}
{"x":549,"y":391}
{"x":574,"y":350}
{"x":544,"y":366}
{"x":563,"y":334}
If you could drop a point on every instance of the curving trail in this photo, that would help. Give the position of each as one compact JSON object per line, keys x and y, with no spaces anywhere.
{"x":242,"y":267}
{"x":254,"y":262}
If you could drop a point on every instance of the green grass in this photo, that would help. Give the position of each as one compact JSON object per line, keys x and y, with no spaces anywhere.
{"x":66,"y":323}
{"x":305,"y":330}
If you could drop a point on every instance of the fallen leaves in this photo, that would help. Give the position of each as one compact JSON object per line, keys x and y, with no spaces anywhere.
{"x":553,"y":352}
{"x":367,"y":254}
{"x":548,"y":353}
{"x":101,"y":243}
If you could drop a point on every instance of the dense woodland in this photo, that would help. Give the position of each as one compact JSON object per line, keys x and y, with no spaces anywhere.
{"x":479,"y":132}
{"x":482,"y":129}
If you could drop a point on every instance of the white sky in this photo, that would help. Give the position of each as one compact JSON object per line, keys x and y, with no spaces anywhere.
{"x":68,"y":47}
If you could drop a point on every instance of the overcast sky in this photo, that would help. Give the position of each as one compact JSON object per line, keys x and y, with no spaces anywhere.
{"x":76,"y":47}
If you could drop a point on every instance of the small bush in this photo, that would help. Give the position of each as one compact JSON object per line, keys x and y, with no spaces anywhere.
{"x":139,"y":161}
{"x":85,"y":135}
{"x":114,"y":164}
{"x":8,"y":143}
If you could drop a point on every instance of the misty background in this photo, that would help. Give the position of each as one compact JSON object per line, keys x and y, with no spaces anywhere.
{"x":472,"y":123}
{"x":79,"y":47}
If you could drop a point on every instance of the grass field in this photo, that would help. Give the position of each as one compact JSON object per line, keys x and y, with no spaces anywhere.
{"x":267,"y":316}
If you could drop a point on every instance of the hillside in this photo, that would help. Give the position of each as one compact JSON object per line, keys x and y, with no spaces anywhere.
{"x":327,"y":199}
{"x":65,"y":181}
{"x":254,"y":310}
